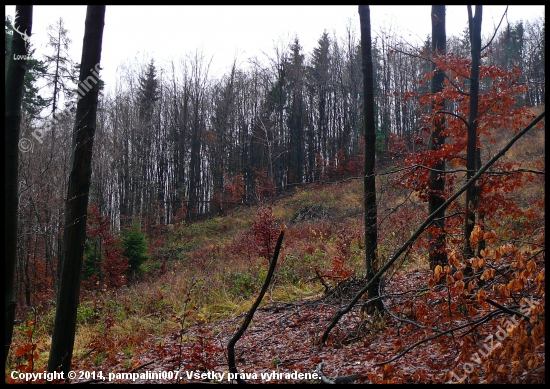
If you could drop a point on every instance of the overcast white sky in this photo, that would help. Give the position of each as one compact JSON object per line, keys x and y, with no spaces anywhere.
{"x":226,"y":32}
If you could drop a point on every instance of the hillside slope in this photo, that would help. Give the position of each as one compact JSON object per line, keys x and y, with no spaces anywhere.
{"x":204,"y":276}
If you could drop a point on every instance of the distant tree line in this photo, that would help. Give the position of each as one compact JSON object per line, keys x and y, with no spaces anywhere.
{"x":180,"y":143}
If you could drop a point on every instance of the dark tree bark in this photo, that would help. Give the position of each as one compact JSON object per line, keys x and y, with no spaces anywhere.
{"x":77,"y":196}
{"x":15,"y":76}
{"x":371,"y":227}
{"x":436,"y":178}
{"x":471,"y":152}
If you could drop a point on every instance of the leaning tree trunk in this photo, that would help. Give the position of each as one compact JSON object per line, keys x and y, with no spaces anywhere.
{"x":77,"y":196}
{"x":15,"y":76}
{"x":436,"y":177}
{"x":371,"y":227}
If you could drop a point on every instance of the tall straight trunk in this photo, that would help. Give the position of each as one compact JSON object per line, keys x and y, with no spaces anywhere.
{"x":126,"y":199}
{"x":181,"y":145}
{"x":194,"y":165}
{"x":371,"y":227}
{"x":437,"y":178}
{"x":61,"y":351}
{"x":472,"y":192}
{"x":15,"y":76}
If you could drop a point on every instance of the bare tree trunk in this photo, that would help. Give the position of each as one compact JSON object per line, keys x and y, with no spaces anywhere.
{"x":436,"y":177}
{"x":472,"y":192}
{"x":15,"y":76}
{"x":371,"y":227}
{"x":77,"y":196}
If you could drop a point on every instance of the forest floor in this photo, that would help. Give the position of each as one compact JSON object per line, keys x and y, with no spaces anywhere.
{"x":284,"y":342}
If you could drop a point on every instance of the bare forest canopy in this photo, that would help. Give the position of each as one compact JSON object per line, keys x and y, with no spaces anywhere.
{"x":173,"y":142}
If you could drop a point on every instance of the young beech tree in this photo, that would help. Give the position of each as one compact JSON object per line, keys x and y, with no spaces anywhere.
{"x":496,"y":112}
{"x":77,"y":197}
{"x":103,"y":260}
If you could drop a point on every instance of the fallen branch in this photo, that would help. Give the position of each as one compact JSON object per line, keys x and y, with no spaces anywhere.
{"x":250,"y":314}
{"x":427,"y":222}
{"x":338,"y":380}
{"x":319,"y":372}
{"x":346,"y":379}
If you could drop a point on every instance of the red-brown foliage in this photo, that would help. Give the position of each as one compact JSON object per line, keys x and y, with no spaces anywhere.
{"x":265,"y":232}
{"x":113,"y":264}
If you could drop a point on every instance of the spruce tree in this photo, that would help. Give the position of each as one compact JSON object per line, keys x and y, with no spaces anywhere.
{"x":135,"y":244}
{"x":33,"y":102}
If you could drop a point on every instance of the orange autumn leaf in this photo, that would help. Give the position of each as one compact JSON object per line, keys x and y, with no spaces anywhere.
{"x":476,"y":236}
